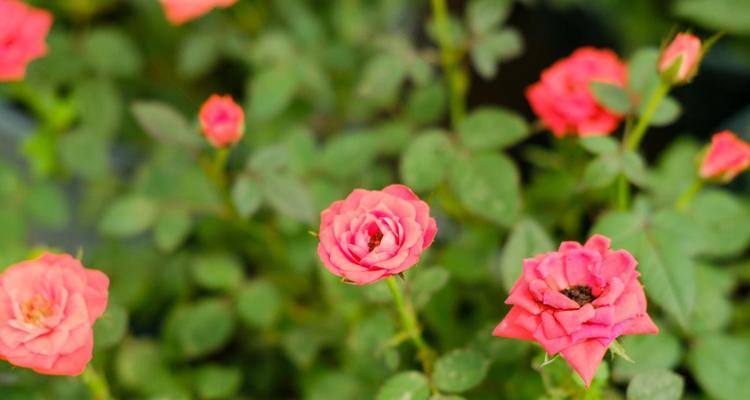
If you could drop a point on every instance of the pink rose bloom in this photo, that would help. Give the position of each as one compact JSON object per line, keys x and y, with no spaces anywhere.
{"x":685,"y":49}
{"x":181,"y":11}
{"x":563,"y":100}
{"x":576,"y":301}
{"x":222,"y":120}
{"x":373,"y":234}
{"x":47,"y":308}
{"x":727,"y":156}
{"x":22,"y":33}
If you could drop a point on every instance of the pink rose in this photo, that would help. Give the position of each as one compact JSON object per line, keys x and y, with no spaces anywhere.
{"x":727,"y":156}
{"x":47,"y":308}
{"x":685,"y":49}
{"x":373,"y":234}
{"x":181,"y":11}
{"x":22,"y":33}
{"x":222,"y":120}
{"x":576,"y":301}
{"x":563,"y":100}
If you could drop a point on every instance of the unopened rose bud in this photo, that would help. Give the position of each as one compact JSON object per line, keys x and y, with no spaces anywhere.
{"x":726,"y":157}
{"x":222,"y":120}
{"x":680,"y":59}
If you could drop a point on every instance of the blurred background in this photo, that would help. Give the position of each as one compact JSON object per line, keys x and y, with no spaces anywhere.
{"x":98,"y":155}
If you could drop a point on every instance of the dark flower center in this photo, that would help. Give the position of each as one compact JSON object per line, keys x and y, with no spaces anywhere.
{"x":375,"y":240}
{"x":580,"y":294}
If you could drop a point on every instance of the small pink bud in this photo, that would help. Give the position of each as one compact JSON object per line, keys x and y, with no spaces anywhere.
{"x":222,"y":120}
{"x":685,"y":49}
{"x":727,"y":156}
{"x":180,"y":11}
{"x":23,"y":30}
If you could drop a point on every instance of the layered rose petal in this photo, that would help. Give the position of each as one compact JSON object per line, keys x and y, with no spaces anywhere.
{"x":371,"y":235}
{"x":576,"y":301}
{"x":562,"y":98}
{"x":181,"y":11}
{"x":222,"y":121}
{"x":47,"y":309}
{"x":727,"y":156}
{"x":23,"y":30}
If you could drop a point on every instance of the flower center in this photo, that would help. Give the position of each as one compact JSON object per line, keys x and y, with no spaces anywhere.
{"x":375,"y":239}
{"x":35,"y":310}
{"x":580,"y":294}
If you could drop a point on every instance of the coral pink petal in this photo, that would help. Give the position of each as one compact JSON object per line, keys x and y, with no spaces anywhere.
{"x":585,"y":358}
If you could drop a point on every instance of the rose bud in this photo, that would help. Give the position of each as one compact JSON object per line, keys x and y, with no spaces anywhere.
{"x":181,"y":11}
{"x":23,"y":30}
{"x":562,"y":98}
{"x":47,"y":309}
{"x":680,"y":59}
{"x":373,"y":234}
{"x":576,"y":301}
{"x":726,"y":157}
{"x":222,"y":120}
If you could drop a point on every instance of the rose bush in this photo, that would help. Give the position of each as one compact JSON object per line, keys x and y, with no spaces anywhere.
{"x":332,"y":199}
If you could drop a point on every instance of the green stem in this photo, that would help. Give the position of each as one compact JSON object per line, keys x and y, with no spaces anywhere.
{"x":633,"y":139}
{"x":456,"y":78}
{"x":687,"y":196}
{"x":96,"y":383}
{"x":411,"y":326}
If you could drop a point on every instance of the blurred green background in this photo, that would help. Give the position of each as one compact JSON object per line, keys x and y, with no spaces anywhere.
{"x":100,"y":151}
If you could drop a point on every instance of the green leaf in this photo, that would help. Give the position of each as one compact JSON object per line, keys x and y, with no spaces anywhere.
{"x":271,"y":91}
{"x":165,"y":124}
{"x":656,"y":385}
{"x":612,"y":97}
{"x":220,"y":272}
{"x":428,"y":282}
{"x":47,"y":206}
{"x":427,"y":103}
{"x":139,"y":366}
{"x":642,"y":72}
{"x":485,"y":15}
{"x":599,"y":144}
{"x":288,"y":197}
{"x":128,"y":216}
{"x":718,"y":215}
{"x":719,"y":364}
{"x":111,"y":52}
{"x":99,"y":104}
{"x":426,"y":160}
{"x":205,"y":328}
{"x":85,"y":141}
{"x":634,"y":168}
{"x":110,"y":328}
{"x":491,"y":49}
{"x":487,"y":185}
{"x":215,"y":381}
{"x":259,"y":303}
{"x":713,"y":308}
{"x":246,"y":196}
{"x":409,"y":385}
{"x":356,"y":150}
{"x":460,"y":370}
{"x":666,"y":268}
{"x":666,"y":113}
{"x":526,"y":239}
{"x":731,"y":16}
{"x":649,"y":352}
{"x":492,"y":128}
{"x":335,"y":385}
{"x":198,"y":53}
{"x":172,"y":228}
{"x":382,"y":79}
{"x":601,"y":171}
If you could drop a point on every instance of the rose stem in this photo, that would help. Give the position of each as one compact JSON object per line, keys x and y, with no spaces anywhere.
{"x":96,"y":383}
{"x":409,"y":320}
{"x":687,"y":196}
{"x":456,"y":79}
{"x":633,"y":139}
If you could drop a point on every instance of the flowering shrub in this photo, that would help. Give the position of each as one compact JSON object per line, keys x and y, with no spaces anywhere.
{"x":347,"y":200}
